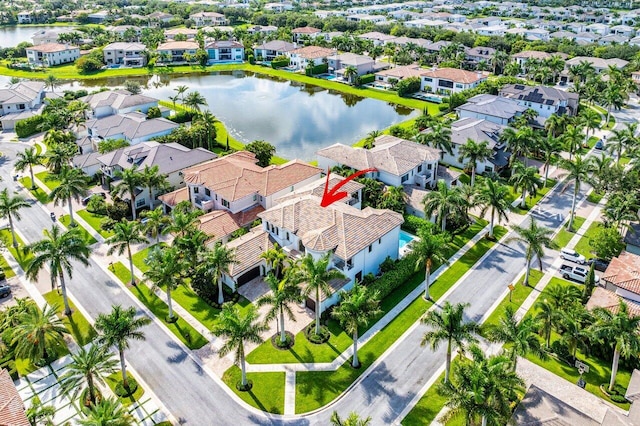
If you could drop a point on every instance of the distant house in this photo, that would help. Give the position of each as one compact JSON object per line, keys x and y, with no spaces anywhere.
{"x":496,"y":109}
{"x":262,"y":29}
{"x":521,"y":58}
{"x":134,"y":127}
{"x":450,"y":80}
{"x":189,"y":33}
{"x":269,"y":50}
{"x":174,"y":51}
{"x":52,"y":54}
{"x":600,"y":65}
{"x":45,"y":37}
{"x":543,"y":99}
{"x":203,"y":19}
{"x":397,"y":161}
{"x":112,"y":102}
{"x":613,"y":39}
{"x":159,"y":17}
{"x":120,"y":30}
{"x":127,"y":54}
{"x":225,"y":50}
{"x":378,"y":38}
{"x":98,"y":17}
{"x":20,"y":101}
{"x":362,"y":63}
{"x":24,"y":17}
{"x":399,"y":73}
{"x":278,"y":7}
{"x":303,"y":56}
{"x":305,"y":32}
{"x":479,"y":54}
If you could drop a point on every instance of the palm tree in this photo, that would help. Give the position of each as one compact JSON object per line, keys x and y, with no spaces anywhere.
{"x":371,"y":138}
{"x":550,"y":148}
{"x":153,"y":179}
{"x":617,"y":142}
{"x":572,"y":138}
{"x":58,"y":156}
{"x":316,"y":276}
{"x":182,"y":222}
{"x":574,"y":333}
{"x":73,"y":185}
{"x":393,"y":198}
{"x":194,"y":100}
{"x":190,"y":247}
{"x":181,"y":90}
{"x":519,"y":336}
{"x":350,"y":73}
{"x":40,"y":414}
{"x":590,"y":119}
{"x":493,"y":196}
{"x":443,"y":202}
{"x":525,"y":179}
{"x":107,"y":412}
{"x":131,"y":179}
{"x":275,"y":258}
{"x":428,"y":250}
{"x":620,"y":330}
{"x":165,"y":270}
{"x":87,"y":369}
{"x":358,"y":306}
{"x":555,"y":124}
{"x":535,"y":238}
{"x":475,"y":152}
{"x":56,"y":250}
{"x":563,"y":296}
{"x":37,"y":331}
{"x":126,"y":233}
{"x":547,"y":315}
{"x":10,"y":209}
{"x":155,"y":223}
{"x":118,"y":328}
{"x":217,"y":262}
{"x":448,"y":326}
{"x":51,"y":82}
{"x":237,"y":328}
{"x":578,"y":170}
{"x":519,"y":142}
{"x":283,"y":293}
{"x":27,"y":159}
{"x":439,"y":137}
{"x":353,"y":420}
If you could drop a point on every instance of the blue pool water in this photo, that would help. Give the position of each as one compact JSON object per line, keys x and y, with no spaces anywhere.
{"x":405,"y":238}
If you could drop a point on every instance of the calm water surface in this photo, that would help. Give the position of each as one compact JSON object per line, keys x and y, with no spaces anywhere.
{"x":12,"y":36}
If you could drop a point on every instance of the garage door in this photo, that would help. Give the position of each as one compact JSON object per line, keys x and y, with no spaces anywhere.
{"x":248,"y":276}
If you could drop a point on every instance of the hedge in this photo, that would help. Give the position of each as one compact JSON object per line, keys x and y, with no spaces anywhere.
{"x":280,"y":64}
{"x":397,"y":277}
{"x":368,"y":78}
{"x":29,"y":126}
{"x":182,"y":117}
{"x":413,"y":223}
{"x":317,"y":69}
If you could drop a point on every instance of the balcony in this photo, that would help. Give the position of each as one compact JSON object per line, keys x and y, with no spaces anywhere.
{"x":203,"y":204}
{"x":424,"y":179}
{"x":342,"y":265}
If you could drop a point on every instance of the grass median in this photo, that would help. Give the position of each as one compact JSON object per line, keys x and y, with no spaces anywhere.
{"x":37,"y":193}
{"x":21,"y":254}
{"x":66,"y":221}
{"x":76,"y":323}
{"x":49,"y":183}
{"x":564,"y":235}
{"x":267,"y":392}
{"x":94,"y":220}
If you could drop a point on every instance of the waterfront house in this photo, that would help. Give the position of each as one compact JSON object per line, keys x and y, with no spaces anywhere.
{"x":303,"y":56}
{"x":45,"y":37}
{"x":543,"y":99}
{"x":225,"y":50}
{"x":450,"y":80}
{"x":174,"y":51}
{"x":25,"y":17}
{"x":203,"y":19}
{"x":110,"y":102}
{"x":399,"y":73}
{"x":189,"y":33}
{"x":127,"y":54}
{"x":19,"y":101}
{"x":134,"y":127}
{"x":363,"y":64}
{"x":269,"y":50}
{"x":496,"y":109}
{"x":52,"y":54}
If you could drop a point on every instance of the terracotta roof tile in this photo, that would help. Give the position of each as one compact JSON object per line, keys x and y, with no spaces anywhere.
{"x":603,"y":298}
{"x":218,"y":224}
{"x":175,"y":197}
{"x":11,"y":405}
{"x":248,"y":249}
{"x":305,"y":30}
{"x":456,"y":75}
{"x":624,"y":272}
{"x":313,"y":52}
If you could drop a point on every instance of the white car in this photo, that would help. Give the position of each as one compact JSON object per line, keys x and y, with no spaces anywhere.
{"x":572,"y":255}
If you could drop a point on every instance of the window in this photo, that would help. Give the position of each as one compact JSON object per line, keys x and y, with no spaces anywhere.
{"x":196,"y":190}
{"x":379,"y":240}
{"x":370,"y":247}
{"x":140,"y":202}
{"x":419,"y":168}
{"x":207,"y":192}
{"x":225,"y":203}
{"x":404,"y":178}
{"x":288,"y":236}
{"x":255,"y":197}
{"x":428,"y":79}
{"x":458,"y":86}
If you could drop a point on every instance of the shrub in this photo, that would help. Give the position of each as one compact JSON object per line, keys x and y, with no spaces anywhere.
{"x":182,"y":117}
{"x":561,"y":350}
{"x":238,"y":233}
{"x":317,"y":69}
{"x":251,"y":59}
{"x":154,"y":112}
{"x":29,"y":126}
{"x":398,"y":276}
{"x":413,"y":223}
{"x":408,"y":86}
{"x":280,"y":63}
{"x":123,"y":392}
{"x":368,"y":78}
{"x":368,"y":279}
{"x":118,"y":210}
{"x":443,"y":107}
{"x":314,"y":338}
{"x":97,"y":205}
{"x":203,"y":285}
{"x":387,"y":265}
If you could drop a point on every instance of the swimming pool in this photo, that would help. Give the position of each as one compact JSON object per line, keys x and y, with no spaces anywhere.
{"x":405,"y":238}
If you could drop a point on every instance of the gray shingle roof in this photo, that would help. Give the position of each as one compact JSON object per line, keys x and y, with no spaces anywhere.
{"x":496,"y":106}
{"x":132,"y":126}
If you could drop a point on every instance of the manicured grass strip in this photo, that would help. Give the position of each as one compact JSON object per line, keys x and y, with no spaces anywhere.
{"x":563,"y":236}
{"x":267,"y":392}
{"x":51,"y":184}
{"x":583,"y":247}
{"x":139,"y":257}
{"x":518,"y":296}
{"x":38,"y":148}
{"x":8,"y":272}
{"x":94,"y":220}
{"x":115,"y":378}
{"x":187,"y":334}
{"x":66,"y":221}
{"x":427,"y":408}
{"x":530,"y":201}
{"x":76,"y":323}
{"x":23,"y":258}
{"x":599,"y":369}
{"x":315,"y":389}
{"x":38,"y":193}
{"x":611,"y":124}
{"x":594,"y":197}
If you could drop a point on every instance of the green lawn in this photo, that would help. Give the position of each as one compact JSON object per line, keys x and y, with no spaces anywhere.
{"x":8,"y":272}
{"x":77,"y":324}
{"x":518,"y":296}
{"x":115,"y":378}
{"x":38,"y":193}
{"x":530,"y":201}
{"x":187,"y":334}
{"x":139,"y":257}
{"x":427,"y":408}
{"x":66,"y":221}
{"x":599,"y":369}
{"x":611,"y":124}
{"x":94,"y":221}
{"x":51,"y":184}
{"x":267,"y":392}
{"x":316,"y":389}
{"x":594,"y":197}
{"x":583,"y":247}
{"x":563,"y":236}
{"x":22,"y":257}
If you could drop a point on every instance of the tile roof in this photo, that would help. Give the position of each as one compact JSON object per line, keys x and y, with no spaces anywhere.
{"x":178,"y":45}
{"x":415,"y":196}
{"x":176,"y":31}
{"x":339,"y":226}
{"x":225,"y":44}
{"x":52,"y":47}
{"x":532,"y":54}
{"x":455,"y":75}
{"x":237,"y":175}
{"x":317,"y":188}
{"x":11,"y":405}
{"x":125,"y":46}
{"x":131,"y":125}
{"x":174,"y":197}
{"x":390,"y":154}
{"x":248,"y":249}
{"x":624,"y":272}
{"x":539,"y":94}
{"x":477,"y":129}
{"x":117,"y":99}
{"x":277,"y":45}
{"x":313,"y":52}
{"x":305,"y":30}
{"x":24,"y":91}
{"x":220,"y":223}
{"x":403,"y":72}
{"x":496,"y":106}
{"x":597,"y":62}
{"x":603,"y":298}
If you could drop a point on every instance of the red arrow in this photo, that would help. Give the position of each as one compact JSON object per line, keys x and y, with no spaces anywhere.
{"x":331,"y":196}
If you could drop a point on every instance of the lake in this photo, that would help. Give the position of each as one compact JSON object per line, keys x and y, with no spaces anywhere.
{"x":297,"y":118}
{"x":12,"y":36}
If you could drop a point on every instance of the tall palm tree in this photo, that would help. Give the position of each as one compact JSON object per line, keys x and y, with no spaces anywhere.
{"x":284,"y":292}
{"x":590,"y":119}
{"x":195,"y":100}
{"x":519,"y":142}
{"x":217,"y":262}
{"x":10,"y":207}
{"x":27,"y":159}
{"x":191,"y":246}
{"x":555,"y":124}
{"x":442,"y":202}
{"x":181,"y":90}
{"x":393,"y":198}
{"x":547,"y":315}
{"x":620,"y":330}
{"x":350,"y":73}
{"x":56,"y":250}
{"x":439,"y":137}
{"x":51,"y":82}
{"x":493,"y":196}
{"x":578,"y":171}
{"x":572,"y":138}
{"x":155,"y":223}
{"x":519,"y":336}
{"x":352,"y":420}
{"x":152,"y":179}
{"x":131,"y":179}
{"x":535,"y":238}
{"x":525,"y":179}
{"x":275,"y":258}
{"x":550,"y":149}
{"x":358,"y":306}
{"x":182,"y":222}
{"x":118,"y":328}
{"x":448,"y":326}
{"x":165,"y":271}
{"x":126,"y":233}
{"x":73,"y":185}
{"x":428,"y":249}
{"x":87,"y":369}
{"x":574,"y":332}
{"x":37,"y":332}
{"x":475,"y":152}
{"x":238,"y":328}
{"x":316,"y":276}
{"x":58,"y":156}
{"x":107,"y":412}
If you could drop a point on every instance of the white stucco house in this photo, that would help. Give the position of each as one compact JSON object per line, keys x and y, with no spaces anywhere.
{"x":52,"y":54}
{"x":127,"y":54}
{"x":224,"y":50}
{"x":112,"y":102}
{"x":19,"y":98}
{"x":450,"y":80}
{"x":543,"y":99}
{"x":303,"y":56}
{"x":134,"y":127}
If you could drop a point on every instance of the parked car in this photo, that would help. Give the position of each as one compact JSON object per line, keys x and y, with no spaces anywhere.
{"x":600,"y":264}
{"x":572,"y":255}
{"x":86,"y":200}
{"x":576,"y":273}
{"x":5,"y":291}
{"x":600,"y":145}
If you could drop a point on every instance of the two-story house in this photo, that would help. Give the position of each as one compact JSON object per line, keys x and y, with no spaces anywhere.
{"x":303,"y":56}
{"x":622,"y":276}
{"x":225,"y":50}
{"x":134,"y":127}
{"x":174,"y":51}
{"x":203,"y":19}
{"x":45,"y":37}
{"x":543,"y":99}
{"x":271,"y":49}
{"x":110,"y":102}
{"x":299,"y":34}
{"x":450,"y":80}
{"x":19,"y":101}
{"x":127,"y":54}
{"x":363,"y":64}
{"x":49,"y":54}
{"x":496,"y":109}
